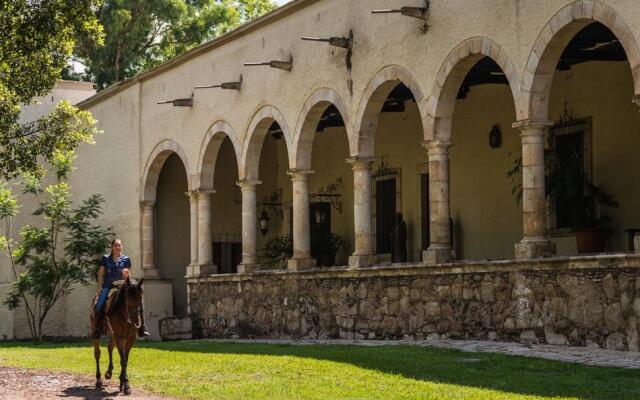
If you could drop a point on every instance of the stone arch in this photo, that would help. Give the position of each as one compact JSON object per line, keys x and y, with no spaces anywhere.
{"x":373,"y":98}
{"x":308,"y":120}
{"x":552,"y":41}
{"x":452,"y":72}
{"x":256,"y":132}
{"x":154,"y":164}
{"x":210,"y":149}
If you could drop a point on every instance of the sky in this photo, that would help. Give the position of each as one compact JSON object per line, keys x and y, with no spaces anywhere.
{"x":281,"y":2}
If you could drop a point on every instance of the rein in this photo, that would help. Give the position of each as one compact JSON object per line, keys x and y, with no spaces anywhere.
{"x":127,"y":314}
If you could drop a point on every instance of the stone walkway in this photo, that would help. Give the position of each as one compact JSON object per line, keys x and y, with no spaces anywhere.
{"x":581,"y":355}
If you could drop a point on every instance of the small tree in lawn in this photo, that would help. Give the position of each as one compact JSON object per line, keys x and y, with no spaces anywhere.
{"x":59,"y":253}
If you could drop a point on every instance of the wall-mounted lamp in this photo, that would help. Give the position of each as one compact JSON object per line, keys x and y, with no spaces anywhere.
{"x":264,"y":221}
{"x":495,"y":137}
{"x":274,"y":202}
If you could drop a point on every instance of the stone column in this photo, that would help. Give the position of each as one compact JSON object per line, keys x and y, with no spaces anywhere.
{"x":535,"y":242}
{"x":301,"y":229}
{"x":193,"y":225}
{"x":636,"y":239}
{"x":249,"y":224}
{"x":440,"y":249}
{"x":203,"y":236}
{"x":149,"y":268}
{"x":363,"y":255}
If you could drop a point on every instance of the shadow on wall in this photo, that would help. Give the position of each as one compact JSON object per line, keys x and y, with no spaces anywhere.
{"x":521,"y":375}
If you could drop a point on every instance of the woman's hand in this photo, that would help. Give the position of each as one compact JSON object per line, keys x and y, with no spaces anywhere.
{"x":125,"y":273}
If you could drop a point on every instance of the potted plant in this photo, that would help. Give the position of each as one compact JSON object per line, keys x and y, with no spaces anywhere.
{"x":575,"y":198}
{"x":580,"y":201}
{"x":276,"y":252}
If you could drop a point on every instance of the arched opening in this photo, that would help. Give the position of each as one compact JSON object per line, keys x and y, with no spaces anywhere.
{"x":172,"y":229}
{"x":274,"y":197}
{"x":219,"y":173}
{"x":331,"y":184}
{"x":593,"y":149}
{"x":399,"y":177}
{"x":486,"y":218}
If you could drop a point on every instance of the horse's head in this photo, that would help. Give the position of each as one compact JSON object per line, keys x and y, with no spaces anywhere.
{"x":132,"y":293}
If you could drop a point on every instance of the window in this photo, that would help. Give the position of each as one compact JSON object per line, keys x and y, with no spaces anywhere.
{"x":571,"y":138}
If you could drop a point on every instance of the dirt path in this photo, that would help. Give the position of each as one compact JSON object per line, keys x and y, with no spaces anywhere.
{"x":26,"y":384}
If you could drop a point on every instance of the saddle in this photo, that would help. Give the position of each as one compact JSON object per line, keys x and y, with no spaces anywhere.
{"x":111,"y":301}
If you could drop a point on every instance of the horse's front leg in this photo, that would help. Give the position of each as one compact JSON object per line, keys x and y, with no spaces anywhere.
{"x":96,"y":354}
{"x":127,"y":349}
{"x":110,"y":347}
{"x":122,"y":351}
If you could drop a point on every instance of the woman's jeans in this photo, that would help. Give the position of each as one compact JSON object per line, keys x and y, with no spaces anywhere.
{"x":102,"y":300}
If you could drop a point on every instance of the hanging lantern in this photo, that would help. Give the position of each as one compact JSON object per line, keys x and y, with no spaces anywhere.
{"x":264,"y":222}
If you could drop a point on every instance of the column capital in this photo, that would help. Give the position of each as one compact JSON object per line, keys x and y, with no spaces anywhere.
{"x":532,"y":126}
{"x":147,"y":204}
{"x":192,"y":194}
{"x":358,"y":162}
{"x":204,"y":194}
{"x":300,"y":174}
{"x":437,"y":145}
{"x":248,"y":184}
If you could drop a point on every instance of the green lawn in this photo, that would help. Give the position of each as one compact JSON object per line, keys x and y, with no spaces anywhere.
{"x":206,"y":370}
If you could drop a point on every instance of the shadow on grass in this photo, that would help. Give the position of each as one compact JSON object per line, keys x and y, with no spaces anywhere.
{"x":521,"y":375}
{"x":513,"y":374}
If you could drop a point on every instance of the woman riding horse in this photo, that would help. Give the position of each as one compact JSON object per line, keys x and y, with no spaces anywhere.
{"x":113,"y":267}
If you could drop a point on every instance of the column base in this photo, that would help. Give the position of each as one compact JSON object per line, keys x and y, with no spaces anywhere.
{"x":438,"y":255}
{"x":301,"y":264}
{"x":538,"y":248}
{"x":151,"y":273}
{"x":248,"y":268}
{"x":362,"y":260}
{"x":198,"y":270}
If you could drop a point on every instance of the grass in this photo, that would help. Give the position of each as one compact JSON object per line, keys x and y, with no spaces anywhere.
{"x":210,"y":370}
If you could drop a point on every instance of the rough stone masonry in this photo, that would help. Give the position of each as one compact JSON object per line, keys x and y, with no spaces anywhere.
{"x":592,"y":301}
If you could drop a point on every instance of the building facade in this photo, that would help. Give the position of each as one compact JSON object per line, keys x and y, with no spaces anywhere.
{"x":419,"y":112}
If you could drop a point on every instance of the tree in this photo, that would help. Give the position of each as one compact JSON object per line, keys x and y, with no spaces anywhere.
{"x":56,"y":255}
{"x":142,"y":34}
{"x":36,"y":40}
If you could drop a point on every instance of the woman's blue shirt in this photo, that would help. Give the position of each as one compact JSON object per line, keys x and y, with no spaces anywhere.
{"x":113,"y":268}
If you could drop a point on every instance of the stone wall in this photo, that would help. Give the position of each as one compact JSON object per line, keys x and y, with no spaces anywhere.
{"x":586,"y":301}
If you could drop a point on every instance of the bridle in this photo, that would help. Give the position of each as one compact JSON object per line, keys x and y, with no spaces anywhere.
{"x":127,"y":312}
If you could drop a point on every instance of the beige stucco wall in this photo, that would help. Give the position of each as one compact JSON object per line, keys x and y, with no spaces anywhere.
{"x":489,"y":221}
{"x":72,"y":91}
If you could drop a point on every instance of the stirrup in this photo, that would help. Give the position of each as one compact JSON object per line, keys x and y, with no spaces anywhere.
{"x":142,"y":331}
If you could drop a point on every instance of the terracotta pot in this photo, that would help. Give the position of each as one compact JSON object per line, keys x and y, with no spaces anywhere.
{"x":591,"y":240}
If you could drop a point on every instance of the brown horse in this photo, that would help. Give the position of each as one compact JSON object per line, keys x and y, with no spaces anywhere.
{"x":123,"y":321}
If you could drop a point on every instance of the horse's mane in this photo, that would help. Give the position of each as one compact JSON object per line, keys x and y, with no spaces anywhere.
{"x":119,"y":302}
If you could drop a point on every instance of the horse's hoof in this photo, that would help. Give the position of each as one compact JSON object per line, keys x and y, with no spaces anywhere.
{"x":98,"y":384}
{"x":127,"y":390}
{"x":107,"y":375}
